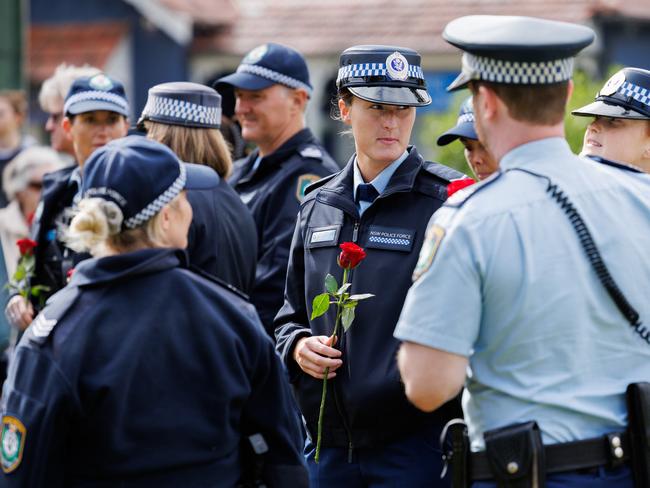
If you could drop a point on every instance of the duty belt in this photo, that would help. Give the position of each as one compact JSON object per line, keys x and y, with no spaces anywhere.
{"x":610,"y":450}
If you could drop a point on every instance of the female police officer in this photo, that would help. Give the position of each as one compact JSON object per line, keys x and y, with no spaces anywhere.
{"x":222,"y":238}
{"x":620,"y":131}
{"x":381,"y":200}
{"x":139,"y":372}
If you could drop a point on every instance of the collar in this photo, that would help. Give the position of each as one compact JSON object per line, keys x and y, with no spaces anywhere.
{"x":75,"y":179}
{"x":121,"y":266}
{"x":381,"y":180}
{"x":532,"y":154}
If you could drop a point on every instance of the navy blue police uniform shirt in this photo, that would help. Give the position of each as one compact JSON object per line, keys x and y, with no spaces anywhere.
{"x":53,"y":259}
{"x":273,"y":192}
{"x":143,"y":373}
{"x":222,"y":239}
{"x":372,"y":408}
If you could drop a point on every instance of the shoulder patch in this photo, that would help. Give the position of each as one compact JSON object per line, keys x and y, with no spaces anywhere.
{"x":319,"y":183}
{"x":45,"y":322}
{"x":303,"y":182}
{"x":12,"y":443}
{"x":432,"y":240}
{"x":311,"y":152}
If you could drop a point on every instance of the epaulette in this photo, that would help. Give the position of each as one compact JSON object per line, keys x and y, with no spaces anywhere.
{"x":220,"y":282}
{"x":441,"y":171}
{"x":45,"y":322}
{"x":459,"y":198}
{"x":317,"y":184}
{"x":311,"y":151}
{"x":616,"y":164}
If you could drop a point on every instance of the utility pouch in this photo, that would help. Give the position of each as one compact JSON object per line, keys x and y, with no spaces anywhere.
{"x":455,"y":444}
{"x":516,"y":456}
{"x":638,"y":412}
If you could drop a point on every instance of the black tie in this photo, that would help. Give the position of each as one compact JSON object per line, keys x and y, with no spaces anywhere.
{"x":366,"y":193}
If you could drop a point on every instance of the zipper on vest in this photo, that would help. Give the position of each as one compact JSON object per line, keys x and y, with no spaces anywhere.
{"x":355,"y":232}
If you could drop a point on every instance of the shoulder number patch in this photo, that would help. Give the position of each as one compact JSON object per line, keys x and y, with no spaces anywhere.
{"x":12,"y":443}
{"x":303,"y":182}
{"x":432,"y":241}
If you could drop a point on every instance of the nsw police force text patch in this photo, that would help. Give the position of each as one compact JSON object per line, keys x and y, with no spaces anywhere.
{"x":390,"y":238}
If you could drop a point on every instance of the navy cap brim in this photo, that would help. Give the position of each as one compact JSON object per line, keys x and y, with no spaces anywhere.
{"x":200,"y":177}
{"x":392,"y":95}
{"x":603,"y":109}
{"x":244,"y":81}
{"x":95,"y":105}
{"x":465,"y":130}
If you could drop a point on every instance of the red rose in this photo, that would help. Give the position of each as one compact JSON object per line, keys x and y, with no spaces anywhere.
{"x":456,"y":185}
{"x":351,"y":255}
{"x":26,"y":246}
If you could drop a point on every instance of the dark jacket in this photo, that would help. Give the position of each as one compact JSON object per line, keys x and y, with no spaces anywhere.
{"x":53,"y":258}
{"x":222,"y":239}
{"x":366,"y":405}
{"x":142,"y":373}
{"x":273,"y":193}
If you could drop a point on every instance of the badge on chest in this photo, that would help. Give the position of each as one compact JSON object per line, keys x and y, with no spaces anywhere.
{"x":390,"y":238}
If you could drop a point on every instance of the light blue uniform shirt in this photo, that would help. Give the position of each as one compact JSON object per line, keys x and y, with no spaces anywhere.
{"x":510,"y":287}
{"x":380,"y":182}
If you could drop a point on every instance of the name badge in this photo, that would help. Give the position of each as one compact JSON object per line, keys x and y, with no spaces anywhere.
{"x":324,"y":236}
{"x":390,"y":238}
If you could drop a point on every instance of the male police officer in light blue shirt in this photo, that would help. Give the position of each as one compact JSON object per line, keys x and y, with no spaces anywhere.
{"x":504,"y":286}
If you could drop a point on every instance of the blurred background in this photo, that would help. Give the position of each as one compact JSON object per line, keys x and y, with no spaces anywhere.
{"x":145,"y":42}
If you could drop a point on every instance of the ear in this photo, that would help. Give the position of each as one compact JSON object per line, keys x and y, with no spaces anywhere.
{"x":344,"y":110}
{"x":569,"y":91}
{"x":125,"y":127}
{"x":66,"y":123}
{"x":488,"y":102}
{"x":300,"y":98}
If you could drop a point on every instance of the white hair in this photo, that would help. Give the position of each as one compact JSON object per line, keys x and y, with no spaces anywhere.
{"x":18,"y":173}
{"x":56,"y":87}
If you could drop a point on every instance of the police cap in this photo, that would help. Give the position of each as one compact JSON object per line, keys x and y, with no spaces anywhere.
{"x":267,"y":65}
{"x":99,"y":92}
{"x":183,"y":103}
{"x":140,"y":176}
{"x":384,"y":74}
{"x":464,"y":125}
{"x":626,"y":95}
{"x":515,"y":50}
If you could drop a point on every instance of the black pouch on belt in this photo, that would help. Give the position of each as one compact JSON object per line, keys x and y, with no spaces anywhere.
{"x":638,"y":412}
{"x":516,"y":456}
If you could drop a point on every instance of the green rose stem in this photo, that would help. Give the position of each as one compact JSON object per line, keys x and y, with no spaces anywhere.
{"x":321,"y":412}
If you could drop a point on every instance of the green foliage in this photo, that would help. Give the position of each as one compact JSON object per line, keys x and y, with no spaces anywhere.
{"x":434,"y":124}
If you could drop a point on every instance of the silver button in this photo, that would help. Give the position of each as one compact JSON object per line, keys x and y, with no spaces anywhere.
{"x":618,"y":452}
{"x":512,"y":467}
{"x":616,"y":442}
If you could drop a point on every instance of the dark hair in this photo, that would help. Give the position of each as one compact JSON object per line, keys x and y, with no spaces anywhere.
{"x":536,"y":104}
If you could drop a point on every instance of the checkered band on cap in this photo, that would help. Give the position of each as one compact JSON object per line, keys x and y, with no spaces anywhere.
{"x":465,"y":118}
{"x":517,"y":72}
{"x":373,"y":69}
{"x":181,"y":110}
{"x":163,"y":199}
{"x":640,"y":94}
{"x":94,"y":96}
{"x":276,"y":77}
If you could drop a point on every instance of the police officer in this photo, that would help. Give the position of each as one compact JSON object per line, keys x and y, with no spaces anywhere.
{"x":96,"y":112}
{"x":140,"y":373}
{"x":478,"y":158}
{"x":381,"y":200}
{"x":620,"y":131}
{"x":272,"y":89}
{"x":525,"y":277}
{"x":222,"y":239}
